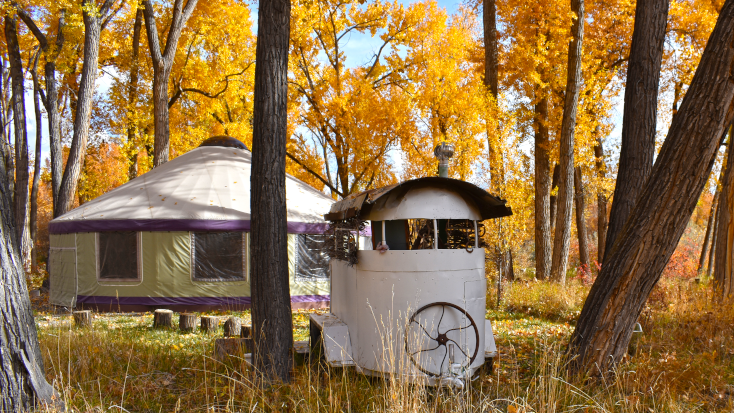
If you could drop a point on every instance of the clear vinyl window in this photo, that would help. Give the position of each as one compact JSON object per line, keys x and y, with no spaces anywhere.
{"x":218,"y":256}
{"x":312,"y":259}
{"x":117,"y":256}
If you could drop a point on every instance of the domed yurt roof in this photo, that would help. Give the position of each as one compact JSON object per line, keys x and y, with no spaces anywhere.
{"x":205,"y":189}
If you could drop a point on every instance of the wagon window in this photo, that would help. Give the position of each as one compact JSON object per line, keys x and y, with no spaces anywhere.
{"x":397,"y":234}
{"x":218,"y":256}
{"x":117,"y":255}
{"x":312,"y":260}
{"x":457,"y":234}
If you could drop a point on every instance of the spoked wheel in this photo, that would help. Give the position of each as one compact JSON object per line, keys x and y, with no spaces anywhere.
{"x":423,"y":324}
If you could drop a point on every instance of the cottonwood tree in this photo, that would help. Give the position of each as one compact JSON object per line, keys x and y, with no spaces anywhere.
{"x":724,"y":246}
{"x":20,"y":198}
{"x":22,"y":380}
{"x":580,"y":201}
{"x":562,"y":240}
{"x":640,"y":112}
{"x":162,"y":64}
{"x":50,"y":47}
{"x":662,"y":210}
{"x":272,"y":325}
{"x":33,"y":225}
{"x":95,"y":18}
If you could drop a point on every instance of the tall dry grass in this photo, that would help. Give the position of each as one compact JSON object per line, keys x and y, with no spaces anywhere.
{"x":685,"y":363}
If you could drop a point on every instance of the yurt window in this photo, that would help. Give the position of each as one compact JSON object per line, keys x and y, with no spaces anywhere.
{"x":117,"y":256}
{"x":218,"y":256}
{"x":312,"y":260}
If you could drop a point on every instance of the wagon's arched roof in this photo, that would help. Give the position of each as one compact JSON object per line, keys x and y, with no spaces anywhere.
{"x":205,"y":189}
{"x":429,"y":197}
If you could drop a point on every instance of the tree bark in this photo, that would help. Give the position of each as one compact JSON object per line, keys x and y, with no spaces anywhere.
{"x":162,"y":318}
{"x":162,"y":64}
{"x":562,"y":240}
{"x":20,"y":206}
{"x":489,"y":15}
{"x":187,"y":322}
{"x":36,"y":163}
{"x":271,"y":306}
{"x":542,"y":188}
{"x":712,"y":253}
{"x":554,"y":198}
{"x":640,"y":112}
{"x":709,"y":233}
{"x":601,"y":201}
{"x":93,"y":19}
{"x":663,"y":209}
{"x":22,"y":380}
{"x":132,"y":100}
{"x":723,"y":277}
{"x":580,"y":221}
{"x":50,"y":101}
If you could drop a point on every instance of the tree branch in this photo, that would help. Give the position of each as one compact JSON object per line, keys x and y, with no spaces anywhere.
{"x":316,"y":175}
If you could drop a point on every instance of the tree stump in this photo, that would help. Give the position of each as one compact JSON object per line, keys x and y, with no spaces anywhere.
{"x":232,"y":327}
{"x":163,"y":319}
{"x":83,"y":318}
{"x":246,"y":331}
{"x":209,"y":324}
{"x":187,"y":322}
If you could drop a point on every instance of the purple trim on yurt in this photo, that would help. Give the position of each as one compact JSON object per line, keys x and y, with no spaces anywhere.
{"x":164,"y":301}
{"x":104,"y":225}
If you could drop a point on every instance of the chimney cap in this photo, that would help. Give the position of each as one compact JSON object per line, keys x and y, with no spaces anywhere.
{"x":444,"y":151}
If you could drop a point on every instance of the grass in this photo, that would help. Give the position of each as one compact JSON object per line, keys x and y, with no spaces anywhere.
{"x":685,"y":362}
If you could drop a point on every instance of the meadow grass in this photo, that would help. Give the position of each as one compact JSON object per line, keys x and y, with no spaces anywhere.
{"x":685,"y":362}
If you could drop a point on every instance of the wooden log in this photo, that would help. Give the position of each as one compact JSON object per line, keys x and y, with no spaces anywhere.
{"x":225,"y":347}
{"x":246,"y":331}
{"x":232,"y":327}
{"x":187,"y":322}
{"x":209,"y":324}
{"x":163,"y":319}
{"x":83,"y":318}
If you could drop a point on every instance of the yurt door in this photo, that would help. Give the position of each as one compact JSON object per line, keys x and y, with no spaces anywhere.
{"x":62,"y":276}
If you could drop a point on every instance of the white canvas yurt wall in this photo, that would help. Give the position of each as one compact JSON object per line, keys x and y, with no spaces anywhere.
{"x":177,"y":237}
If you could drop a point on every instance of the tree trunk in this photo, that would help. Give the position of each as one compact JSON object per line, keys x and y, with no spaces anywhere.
{"x":162,"y":64}
{"x":542,"y":189}
{"x":271,"y":306}
{"x":92,"y":30}
{"x":663,"y":209}
{"x":209,"y":324}
{"x":580,"y":221}
{"x":132,"y":89}
{"x":187,"y":322}
{"x":22,"y":380}
{"x":601,"y":201}
{"x":554,"y":198}
{"x":723,"y":277}
{"x":490,"y":47}
{"x":714,"y":240}
{"x":640,"y":112}
{"x":709,"y":233}
{"x":36,"y":165}
{"x":562,"y":240}
{"x":20,"y":207}
{"x":83,"y":318}
{"x":52,"y":96}
{"x":232,"y":327}
{"x":163,"y":319}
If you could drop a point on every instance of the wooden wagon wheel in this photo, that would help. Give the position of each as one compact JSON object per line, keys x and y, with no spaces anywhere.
{"x":441,"y":339}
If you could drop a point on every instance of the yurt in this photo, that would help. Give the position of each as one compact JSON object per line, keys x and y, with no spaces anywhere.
{"x":177,"y":237}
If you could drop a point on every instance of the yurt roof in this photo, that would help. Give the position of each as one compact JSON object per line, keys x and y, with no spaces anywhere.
{"x":429,"y":197}
{"x":206,"y":189}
